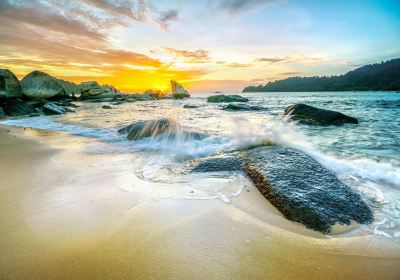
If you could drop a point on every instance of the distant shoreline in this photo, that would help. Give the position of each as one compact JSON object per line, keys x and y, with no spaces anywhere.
{"x":384,"y":76}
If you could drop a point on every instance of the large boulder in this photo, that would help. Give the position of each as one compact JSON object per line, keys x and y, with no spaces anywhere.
{"x":178,"y":91}
{"x":297,"y":185}
{"x":41,"y":85}
{"x":92,"y":90}
{"x":9,"y":84}
{"x":16,"y":107}
{"x":226,"y":98}
{"x":170,"y":129}
{"x":71,"y":89}
{"x":312,"y":115}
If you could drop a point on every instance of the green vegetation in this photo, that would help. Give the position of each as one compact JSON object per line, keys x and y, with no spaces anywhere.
{"x":383,"y":76}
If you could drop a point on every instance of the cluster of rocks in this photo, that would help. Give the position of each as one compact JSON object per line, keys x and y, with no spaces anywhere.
{"x":301,"y":113}
{"x":302,"y":189}
{"x":39,"y":93}
{"x":92,"y":90}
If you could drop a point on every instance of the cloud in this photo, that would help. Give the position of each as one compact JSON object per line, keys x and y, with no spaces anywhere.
{"x":196,"y":56}
{"x":239,"y":6}
{"x":300,"y":58}
{"x":238,"y":65}
{"x":70,"y":39}
{"x":271,"y":59}
{"x":166,"y":17}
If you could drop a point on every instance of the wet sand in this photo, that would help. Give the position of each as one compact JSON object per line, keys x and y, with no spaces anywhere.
{"x":66,"y":213}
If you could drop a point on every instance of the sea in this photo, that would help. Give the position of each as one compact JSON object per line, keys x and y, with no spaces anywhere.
{"x":366,"y":156}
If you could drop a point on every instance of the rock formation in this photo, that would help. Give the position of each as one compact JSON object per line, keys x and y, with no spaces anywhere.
{"x":311,"y":115}
{"x":41,"y":85}
{"x":170,"y":129}
{"x":92,"y":90}
{"x":241,"y":107}
{"x":178,"y":91}
{"x":9,"y":84}
{"x":298,"y":186}
{"x":226,"y":98}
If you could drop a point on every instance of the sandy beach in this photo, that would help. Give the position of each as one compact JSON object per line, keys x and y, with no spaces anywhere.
{"x":69,"y":214}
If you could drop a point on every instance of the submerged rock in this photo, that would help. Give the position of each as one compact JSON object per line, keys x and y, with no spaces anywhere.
{"x":150,"y":128}
{"x":178,"y":91}
{"x":16,"y":107}
{"x":240,"y":107}
{"x":41,"y":85}
{"x":312,"y":115}
{"x":9,"y":84}
{"x":297,"y":185}
{"x":226,"y":98}
{"x":188,"y":106}
{"x":106,"y":107}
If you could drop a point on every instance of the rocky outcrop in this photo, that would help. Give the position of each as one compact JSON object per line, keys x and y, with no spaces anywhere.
{"x":41,"y":85}
{"x":226,"y":98}
{"x":156,"y":94}
{"x":178,"y":91}
{"x":121,"y":98}
{"x":92,"y":90}
{"x":240,"y":107}
{"x":312,"y":115}
{"x":50,"y":108}
{"x":170,"y":129}
{"x":297,"y":185}
{"x":9,"y":84}
{"x":71,"y":89}
{"x":16,"y":107}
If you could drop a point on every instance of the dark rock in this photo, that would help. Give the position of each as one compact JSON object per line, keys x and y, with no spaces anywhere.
{"x":188,"y":106}
{"x":226,"y":98}
{"x":2,"y":113}
{"x":311,"y":115}
{"x":51,"y":108}
{"x":9,"y":84}
{"x":169,"y":129}
{"x":223,"y":162}
{"x":16,"y":107}
{"x":106,"y":107}
{"x":240,"y":107}
{"x":297,"y":185}
{"x":41,"y":85}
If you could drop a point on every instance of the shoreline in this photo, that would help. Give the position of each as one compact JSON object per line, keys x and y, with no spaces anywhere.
{"x":77,"y":215}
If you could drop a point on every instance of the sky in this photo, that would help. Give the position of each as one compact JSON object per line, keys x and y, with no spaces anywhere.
{"x":207,"y":45}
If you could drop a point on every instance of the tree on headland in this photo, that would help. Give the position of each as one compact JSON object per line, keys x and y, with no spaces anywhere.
{"x":384,"y":76}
